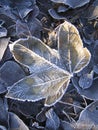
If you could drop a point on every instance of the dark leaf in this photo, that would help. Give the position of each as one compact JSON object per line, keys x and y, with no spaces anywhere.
{"x":15,"y":123}
{"x":3,"y":86}
{"x":3,"y":113}
{"x":92,"y":14}
{"x":95,"y":56}
{"x":89,"y":117}
{"x":55,"y":15}
{"x":11,"y":72}
{"x":71,"y":3}
{"x":29,"y":28}
{"x":52,"y":122}
{"x":90,"y":93}
{"x":67,"y":126}
{"x":86,"y":80}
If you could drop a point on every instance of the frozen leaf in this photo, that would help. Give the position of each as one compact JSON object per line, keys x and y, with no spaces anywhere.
{"x":11,"y":72}
{"x":72,"y":54}
{"x":23,"y":7}
{"x":3,"y":45}
{"x":27,"y":57}
{"x":52,"y":122}
{"x":55,"y":15}
{"x":46,"y":80}
{"x":86,"y":80}
{"x":90,"y":93}
{"x":15,"y":123}
{"x":37,"y":46}
{"x":89,"y":117}
{"x":29,"y":28}
{"x":72,"y":3}
{"x":55,"y":98}
{"x":3,"y":32}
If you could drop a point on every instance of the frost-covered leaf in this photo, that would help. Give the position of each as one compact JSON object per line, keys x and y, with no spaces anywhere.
{"x":72,"y":54}
{"x":55,"y":15}
{"x":90,"y":93}
{"x":3,"y":32}
{"x":56,"y":97}
{"x":72,"y":3}
{"x":3,"y":45}
{"x":37,"y":46}
{"x":52,"y":122}
{"x":15,"y":123}
{"x":29,"y":28}
{"x":45,"y":81}
{"x":29,"y":58}
{"x":11,"y":72}
{"x":86,"y":80}
{"x":89,"y":117}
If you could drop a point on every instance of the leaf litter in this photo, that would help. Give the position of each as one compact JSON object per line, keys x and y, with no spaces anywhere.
{"x":48,"y":65}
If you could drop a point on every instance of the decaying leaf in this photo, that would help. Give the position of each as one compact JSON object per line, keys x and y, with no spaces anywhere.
{"x":50,"y":70}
